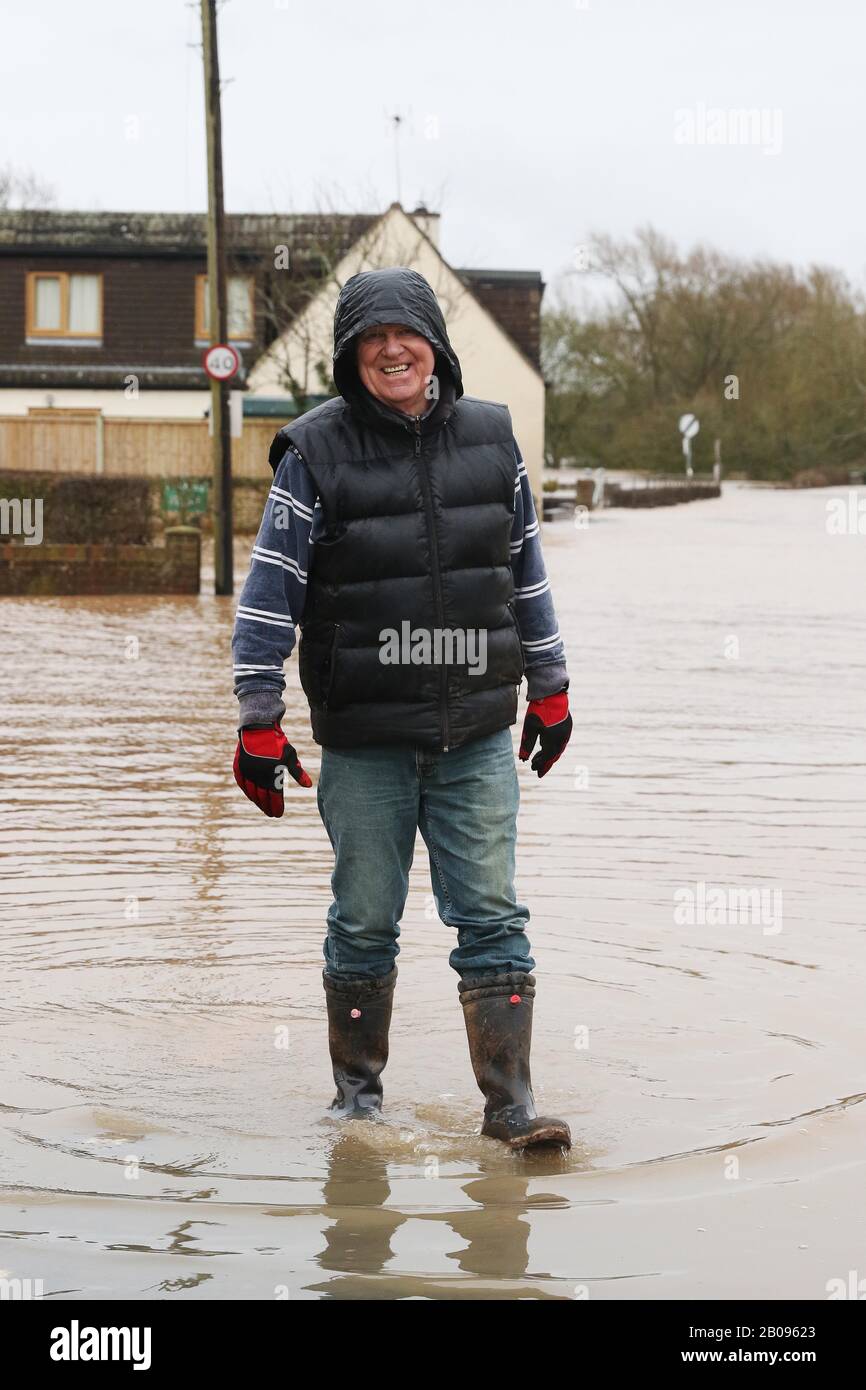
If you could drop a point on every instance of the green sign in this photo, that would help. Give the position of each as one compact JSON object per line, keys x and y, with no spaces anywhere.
{"x":188,"y":499}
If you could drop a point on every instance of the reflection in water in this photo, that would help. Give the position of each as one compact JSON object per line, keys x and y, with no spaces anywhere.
{"x":358,"y":1247}
{"x":162,"y":1022}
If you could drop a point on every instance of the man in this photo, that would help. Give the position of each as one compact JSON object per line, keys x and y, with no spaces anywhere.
{"x":403,"y":507}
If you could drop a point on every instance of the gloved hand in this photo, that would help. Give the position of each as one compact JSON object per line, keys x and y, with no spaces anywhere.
{"x":549,"y":721}
{"x":262,"y":751}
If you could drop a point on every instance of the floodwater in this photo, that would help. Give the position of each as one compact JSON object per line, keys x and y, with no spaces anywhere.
{"x":163,"y":1063}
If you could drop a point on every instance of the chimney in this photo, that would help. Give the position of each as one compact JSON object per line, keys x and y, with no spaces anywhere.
{"x":427,"y":221}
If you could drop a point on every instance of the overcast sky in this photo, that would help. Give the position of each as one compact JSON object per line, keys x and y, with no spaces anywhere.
{"x":526,"y":125}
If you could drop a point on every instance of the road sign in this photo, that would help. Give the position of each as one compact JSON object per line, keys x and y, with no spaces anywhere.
{"x":688,"y":426}
{"x":221,"y":362}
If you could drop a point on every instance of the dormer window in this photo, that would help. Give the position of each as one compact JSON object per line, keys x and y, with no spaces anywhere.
{"x":239,"y":309}
{"x":63,"y":307}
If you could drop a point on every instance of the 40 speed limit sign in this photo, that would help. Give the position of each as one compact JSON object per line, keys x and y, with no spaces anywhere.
{"x":221,"y":362}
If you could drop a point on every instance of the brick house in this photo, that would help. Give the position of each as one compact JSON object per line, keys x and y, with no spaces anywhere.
{"x":107,"y":311}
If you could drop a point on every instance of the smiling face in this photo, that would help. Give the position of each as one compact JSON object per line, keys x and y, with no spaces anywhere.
{"x":395,"y":364}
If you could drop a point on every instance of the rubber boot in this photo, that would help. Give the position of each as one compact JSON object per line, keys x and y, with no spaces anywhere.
{"x":498,"y":1014}
{"x":359,"y":1015}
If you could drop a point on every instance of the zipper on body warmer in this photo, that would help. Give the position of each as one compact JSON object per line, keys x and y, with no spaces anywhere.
{"x":437,"y":585}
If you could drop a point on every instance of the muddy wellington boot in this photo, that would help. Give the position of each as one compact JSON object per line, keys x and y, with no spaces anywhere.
{"x":498,"y":1014}
{"x":359,"y":1015}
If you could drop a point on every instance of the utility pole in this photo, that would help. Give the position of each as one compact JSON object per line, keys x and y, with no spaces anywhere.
{"x":217,"y":315}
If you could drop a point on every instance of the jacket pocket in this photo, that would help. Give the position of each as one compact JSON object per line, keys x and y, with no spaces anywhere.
{"x":513,"y":613}
{"x":331,"y":666}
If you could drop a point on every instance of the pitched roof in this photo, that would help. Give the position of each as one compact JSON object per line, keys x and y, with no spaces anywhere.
{"x":512,"y":297}
{"x":176,"y":233}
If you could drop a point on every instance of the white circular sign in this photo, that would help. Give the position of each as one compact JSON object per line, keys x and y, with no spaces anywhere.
{"x":689,"y":425}
{"x":221,"y":362}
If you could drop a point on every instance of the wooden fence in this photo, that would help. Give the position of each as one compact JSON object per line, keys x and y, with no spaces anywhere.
{"x":89,"y":442}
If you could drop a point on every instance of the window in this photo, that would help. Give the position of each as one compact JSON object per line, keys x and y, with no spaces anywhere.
{"x":60,"y":305}
{"x":239,"y":310}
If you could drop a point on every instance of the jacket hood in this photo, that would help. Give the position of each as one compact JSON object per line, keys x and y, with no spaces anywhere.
{"x":394,"y":295}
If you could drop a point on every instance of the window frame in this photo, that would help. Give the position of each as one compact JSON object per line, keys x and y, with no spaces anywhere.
{"x":74,"y":335}
{"x":202,"y":338}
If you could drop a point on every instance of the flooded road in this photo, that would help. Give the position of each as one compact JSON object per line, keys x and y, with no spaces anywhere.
{"x":164,"y":1071}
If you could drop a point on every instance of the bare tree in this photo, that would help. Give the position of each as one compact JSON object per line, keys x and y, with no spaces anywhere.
{"x":21,"y":189}
{"x":772,"y":359}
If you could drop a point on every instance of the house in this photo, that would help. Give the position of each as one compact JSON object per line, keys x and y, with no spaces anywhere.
{"x":107,"y":312}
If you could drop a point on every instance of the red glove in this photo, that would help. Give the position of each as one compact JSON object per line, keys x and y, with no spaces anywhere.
{"x":262,"y":757}
{"x":549,"y":721}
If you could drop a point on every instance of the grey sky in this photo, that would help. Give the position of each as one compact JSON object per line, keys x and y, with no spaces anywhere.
{"x":527,"y":126}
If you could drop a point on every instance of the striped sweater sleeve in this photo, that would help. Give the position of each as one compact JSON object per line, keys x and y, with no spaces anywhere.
{"x":543,"y":648}
{"x":272,"y":598}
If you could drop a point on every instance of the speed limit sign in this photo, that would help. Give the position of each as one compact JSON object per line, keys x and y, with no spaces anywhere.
{"x":221,"y":362}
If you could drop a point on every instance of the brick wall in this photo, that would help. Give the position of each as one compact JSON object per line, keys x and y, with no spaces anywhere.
{"x":148,"y":314}
{"x":51,"y":570}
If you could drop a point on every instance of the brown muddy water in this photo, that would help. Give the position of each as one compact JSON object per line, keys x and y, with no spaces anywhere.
{"x":161,"y":941}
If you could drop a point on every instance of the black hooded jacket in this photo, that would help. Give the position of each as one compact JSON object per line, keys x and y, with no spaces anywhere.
{"x":418,"y":513}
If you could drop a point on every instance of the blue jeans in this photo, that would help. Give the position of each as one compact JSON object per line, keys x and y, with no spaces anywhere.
{"x":372,"y":800}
